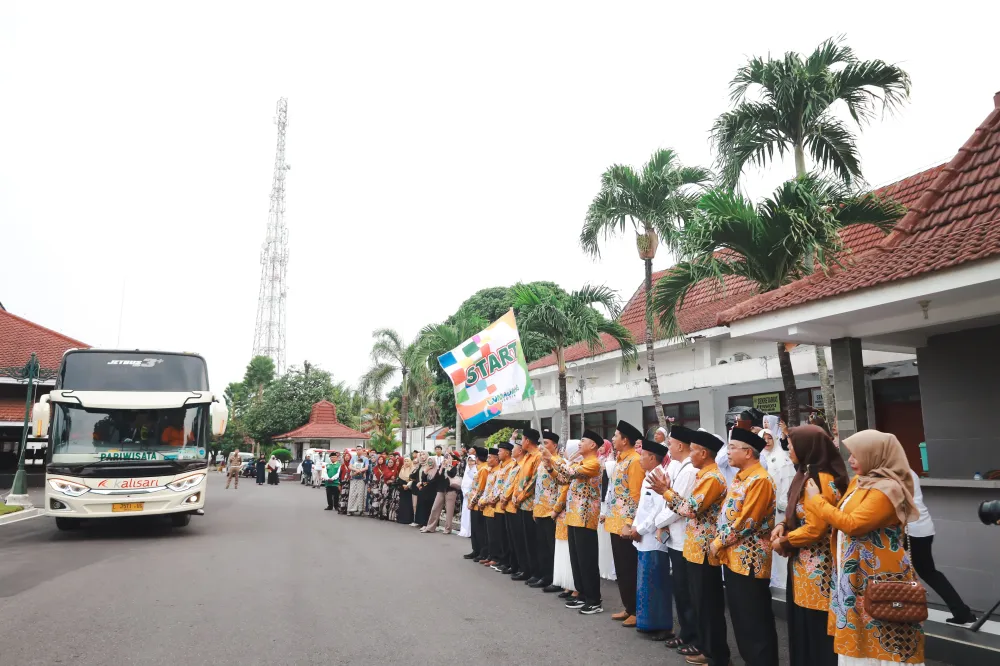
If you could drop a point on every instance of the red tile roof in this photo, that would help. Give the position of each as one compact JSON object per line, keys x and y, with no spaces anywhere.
{"x":954,"y":221}
{"x":707,"y":299}
{"x":323,"y":424}
{"x":12,"y":409}
{"x":19,"y":337}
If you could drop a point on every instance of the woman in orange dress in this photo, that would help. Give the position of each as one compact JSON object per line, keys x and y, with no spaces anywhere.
{"x":869,"y":540}
{"x":805,"y":540}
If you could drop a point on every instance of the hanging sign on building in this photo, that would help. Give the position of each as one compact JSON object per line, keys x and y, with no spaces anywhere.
{"x":769,"y":403}
{"x":488,"y":371}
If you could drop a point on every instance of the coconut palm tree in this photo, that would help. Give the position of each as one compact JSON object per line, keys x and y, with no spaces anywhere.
{"x":390,"y":355}
{"x":656,"y":202}
{"x":795,"y":113}
{"x":438,"y":339}
{"x":771,"y":244}
{"x":562,"y":318}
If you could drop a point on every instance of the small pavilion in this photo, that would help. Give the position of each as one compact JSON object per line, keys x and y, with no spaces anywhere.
{"x":323,"y":431}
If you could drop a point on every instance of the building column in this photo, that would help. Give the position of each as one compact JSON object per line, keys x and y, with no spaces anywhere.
{"x":849,"y":386}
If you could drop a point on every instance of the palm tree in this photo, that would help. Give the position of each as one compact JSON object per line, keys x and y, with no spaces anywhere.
{"x":657,"y":202}
{"x":438,"y":339}
{"x":562,"y":318}
{"x":379,"y":420}
{"x":795,"y":114}
{"x":771,"y":244}
{"x":390,"y":355}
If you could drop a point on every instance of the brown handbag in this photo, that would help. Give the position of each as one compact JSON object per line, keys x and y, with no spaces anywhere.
{"x":897,"y":597}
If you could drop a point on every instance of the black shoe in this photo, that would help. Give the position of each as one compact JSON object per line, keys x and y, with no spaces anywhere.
{"x":539,"y":585}
{"x":549,"y":589}
{"x":659,"y":635}
{"x":513,"y":572}
{"x":520,"y":577}
{"x":566,"y":594}
{"x":575,"y":604}
{"x":534,"y":580}
{"x":504,"y":570}
{"x":469,"y":556}
{"x":329,"y":508}
{"x":592,"y":609}
{"x":968,"y":618}
{"x":477,"y":559}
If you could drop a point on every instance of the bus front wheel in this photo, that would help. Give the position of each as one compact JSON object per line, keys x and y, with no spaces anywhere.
{"x":180,"y":519}
{"x":67,"y":524}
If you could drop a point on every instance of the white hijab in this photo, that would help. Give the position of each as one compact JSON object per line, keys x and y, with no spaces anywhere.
{"x":771,"y":425}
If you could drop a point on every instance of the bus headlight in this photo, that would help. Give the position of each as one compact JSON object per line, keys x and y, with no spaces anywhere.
{"x":187,"y":483}
{"x":67,"y":487}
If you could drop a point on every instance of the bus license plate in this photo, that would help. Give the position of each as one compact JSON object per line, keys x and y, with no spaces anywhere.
{"x":128,"y":506}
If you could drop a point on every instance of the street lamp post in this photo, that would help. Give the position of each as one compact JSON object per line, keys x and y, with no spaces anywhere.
{"x":19,"y":491}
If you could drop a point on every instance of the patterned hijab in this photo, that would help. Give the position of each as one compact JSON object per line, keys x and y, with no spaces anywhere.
{"x":884,"y":468}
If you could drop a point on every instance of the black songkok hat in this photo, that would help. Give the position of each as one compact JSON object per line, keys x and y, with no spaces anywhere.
{"x":481,"y":454}
{"x":707,"y":440}
{"x":493,"y":451}
{"x":531,"y":434}
{"x":747,"y":437}
{"x":630,"y":432}
{"x":505,"y":445}
{"x":654,"y":447}
{"x":593,"y":436}
{"x":683,"y":434}
{"x":548,"y":434}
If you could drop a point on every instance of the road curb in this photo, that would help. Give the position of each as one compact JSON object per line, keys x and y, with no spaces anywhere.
{"x":19,"y":516}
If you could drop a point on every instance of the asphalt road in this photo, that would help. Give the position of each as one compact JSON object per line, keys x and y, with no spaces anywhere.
{"x":268,"y":577}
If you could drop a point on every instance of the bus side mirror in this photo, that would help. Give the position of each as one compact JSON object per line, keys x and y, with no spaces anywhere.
{"x":40,"y":416}
{"x":220,"y":417}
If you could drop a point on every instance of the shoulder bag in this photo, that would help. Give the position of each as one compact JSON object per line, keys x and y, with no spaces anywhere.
{"x":896,"y":597}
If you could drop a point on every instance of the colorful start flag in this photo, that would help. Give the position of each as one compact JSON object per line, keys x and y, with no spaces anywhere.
{"x":489,"y":371}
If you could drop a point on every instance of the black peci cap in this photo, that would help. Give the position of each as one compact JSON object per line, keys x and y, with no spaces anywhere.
{"x":548,"y":434}
{"x":629,"y":431}
{"x":707,"y":440}
{"x":747,"y":437}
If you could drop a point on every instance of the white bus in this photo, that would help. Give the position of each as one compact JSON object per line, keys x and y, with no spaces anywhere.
{"x":128,"y":435}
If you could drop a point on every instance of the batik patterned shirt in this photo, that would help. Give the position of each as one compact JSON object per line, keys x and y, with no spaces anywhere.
{"x":510,"y":485}
{"x":701,"y":508}
{"x":745,"y":524}
{"x":812,"y":565}
{"x":547,"y":489}
{"x":524,"y":494}
{"x":626,"y":487}
{"x":583,"y":500}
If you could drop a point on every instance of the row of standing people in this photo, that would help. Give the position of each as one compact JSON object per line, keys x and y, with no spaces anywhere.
{"x":685,"y":535}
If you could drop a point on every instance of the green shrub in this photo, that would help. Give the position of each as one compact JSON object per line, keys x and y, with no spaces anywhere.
{"x":284,"y":455}
{"x":502,"y":435}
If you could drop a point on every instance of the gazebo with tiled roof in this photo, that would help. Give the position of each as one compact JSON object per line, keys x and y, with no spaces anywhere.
{"x":323,"y":431}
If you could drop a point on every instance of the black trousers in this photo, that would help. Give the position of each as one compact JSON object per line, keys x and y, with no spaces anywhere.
{"x":332,"y":496}
{"x":627,"y":569}
{"x":478,"y":533}
{"x":513,"y":541}
{"x":923,"y":562}
{"x":709,"y":601}
{"x":495,"y":533}
{"x":808,"y":642}
{"x":586,"y":567}
{"x":749,"y":601}
{"x":687,"y":625}
{"x":545,"y":529}
{"x":531,"y":566}
{"x":519,"y":542}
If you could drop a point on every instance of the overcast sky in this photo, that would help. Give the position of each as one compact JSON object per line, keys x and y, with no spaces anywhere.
{"x":436,"y":149}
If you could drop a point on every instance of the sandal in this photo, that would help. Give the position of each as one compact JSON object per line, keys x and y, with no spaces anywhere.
{"x":674,"y":643}
{"x":688,"y":650}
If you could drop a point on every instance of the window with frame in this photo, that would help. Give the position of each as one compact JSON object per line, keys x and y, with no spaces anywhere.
{"x":687,"y":414}
{"x":603,"y":423}
{"x":546,"y":423}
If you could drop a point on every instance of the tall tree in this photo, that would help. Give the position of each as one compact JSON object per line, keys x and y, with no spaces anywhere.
{"x":561,"y":318}
{"x":286,"y":402}
{"x":794,"y":111}
{"x":390,"y":355}
{"x":438,"y":339}
{"x":656,"y":202}
{"x":781,"y":239}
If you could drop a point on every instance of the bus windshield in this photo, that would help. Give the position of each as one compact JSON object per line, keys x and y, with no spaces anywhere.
{"x":132,"y":371}
{"x":81,"y":435}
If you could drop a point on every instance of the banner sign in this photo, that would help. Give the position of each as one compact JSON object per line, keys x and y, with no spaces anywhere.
{"x":769,"y":403}
{"x":488,"y":371}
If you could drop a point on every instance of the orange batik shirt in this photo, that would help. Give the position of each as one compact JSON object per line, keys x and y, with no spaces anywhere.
{"x":812,"y":565}
{"x":491,"y":494}
{"x":524,"y":493}
{"x":583,"y":499}
{"x":746,"y":522}
{"x":626,"y":487}
{"x":510,"y":486}
{"x":559,"y":511}
{"x":702,"y":512}
{"x":482,"y":472}
{"x":547,"y":490}
{"x":505,"y":480}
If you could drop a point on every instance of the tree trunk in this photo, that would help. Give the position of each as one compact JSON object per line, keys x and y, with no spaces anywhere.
{"x":788,"y":379}
{"x":563,"y":397}
{"x":800,"y":162}
{"x":404,"y":417}
{"x":826,"y":383}
{"x":458,"y":428}
{"x":654,"y":386}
